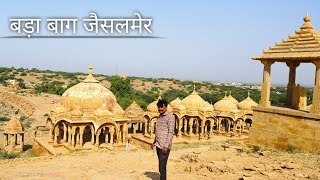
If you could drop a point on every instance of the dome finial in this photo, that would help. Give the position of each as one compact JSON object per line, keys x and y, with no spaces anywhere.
{"x":90,"y":78}
{"x":230,"y":93}
{"x":194,"y":86}
{"x":225,"y":94}
{"x":307,"y":18}
{"x":248,"y":93}
{"x":90,"y":69}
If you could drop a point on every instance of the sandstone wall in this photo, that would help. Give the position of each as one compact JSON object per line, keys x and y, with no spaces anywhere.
{"x":283,"y":129}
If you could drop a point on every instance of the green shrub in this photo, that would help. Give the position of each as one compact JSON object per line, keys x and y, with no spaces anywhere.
{"x":256,"y":149}
{"x":292,"y":149}
{"x":5,"y":155}
{"x":3,"y":118}
{"x":23,"y":74}
{"x":22,"y":118}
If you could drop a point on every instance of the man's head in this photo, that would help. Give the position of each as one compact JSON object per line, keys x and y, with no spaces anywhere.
{"x":162,"y":106}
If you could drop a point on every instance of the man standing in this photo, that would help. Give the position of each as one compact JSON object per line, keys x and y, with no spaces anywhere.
{"x":163,"y":136}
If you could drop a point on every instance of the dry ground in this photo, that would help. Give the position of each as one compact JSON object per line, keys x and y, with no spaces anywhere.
{"x":222,"y":158}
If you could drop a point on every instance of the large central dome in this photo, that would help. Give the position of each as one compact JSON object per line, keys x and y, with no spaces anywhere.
{"x":193,"y":102}
{"x":88,"y":95}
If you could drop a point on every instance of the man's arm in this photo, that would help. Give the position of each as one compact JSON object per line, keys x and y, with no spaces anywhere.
{"x":170,"y":131}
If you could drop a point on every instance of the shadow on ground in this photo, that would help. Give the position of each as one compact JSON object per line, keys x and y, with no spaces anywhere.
{"x":27,"y":147}
{"x":152,"y":175}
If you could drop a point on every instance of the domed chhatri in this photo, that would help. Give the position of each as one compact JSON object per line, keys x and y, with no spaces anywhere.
{"x":14,"y":128}
{"x":193,"y":102}
{"x":175,"y":102}
{"x":134,"y":111}
{"x":232,"y":99}
{"x":225,"y":105}
{"x":88,"y":110}
{"x":247,"y":104}
{"x":89,"y":95}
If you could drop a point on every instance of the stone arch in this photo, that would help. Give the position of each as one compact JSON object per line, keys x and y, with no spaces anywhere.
{"x":60,"y":131}
{"x":225,"y":124}
{"x":88,"y":134}
{"x":76,"y":134}
{"x":147,"y":124}
{"x":153,"y":123}
{"x":248,"y":122}
{"x":184,"y":124}
{"x":106,"y":133}
{"x":176,"y":124}
{"x":207,"y":125}
{"x":195,"y":125}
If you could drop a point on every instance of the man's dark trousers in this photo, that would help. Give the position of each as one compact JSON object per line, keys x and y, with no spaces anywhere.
{"x":163,"y":158}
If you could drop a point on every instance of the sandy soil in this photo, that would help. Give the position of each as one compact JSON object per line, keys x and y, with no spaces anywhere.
{"x":222,"y":158}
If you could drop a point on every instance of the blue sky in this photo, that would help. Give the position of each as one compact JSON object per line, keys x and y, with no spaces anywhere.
{"x":202,"y":40}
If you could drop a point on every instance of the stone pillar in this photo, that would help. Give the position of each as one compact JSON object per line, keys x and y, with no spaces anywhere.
{"x":134,"y":127}
{"x":197,"y":126}
{"x":235,"y":126}
{"x":64,"y":133}
{"x":145,"y":127}
{"x":151,"y":129}
{"x":229,"y":126}
{"x":92,"y":135}
{"x":111,"y":136}
{"x":190,"y":126}
{"x":185,"y":127}
{"x":55,"y":136}
{"x":266,"y":85}
{"x":21,"y":140}
{"x":51,"y":134}
{"x":315,"y":108}
{"x":16,"y":139}
{"x":106,"y":135}
{"x":97,"y":138}
{"x":123,"y":136}
{"x":78,"y":138}
{"x":81,"y":136}
{"x":69,"y":134}
{"x":73,"y":138}
{"x":179,"y":127}
{"x":291,"y":82}
{"x":12,"y":140}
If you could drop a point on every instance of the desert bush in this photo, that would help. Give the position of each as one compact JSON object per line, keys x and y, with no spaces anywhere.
{"x":5,"y":155}
{"x":22,"y":118}
{"x":4,"y":118}
{"x":256,"y":149}
{"x":292,"y":149}
{"x":23,"y":74}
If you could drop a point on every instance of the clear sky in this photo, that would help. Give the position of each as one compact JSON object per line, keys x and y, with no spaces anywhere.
{"x":202,"y":40}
